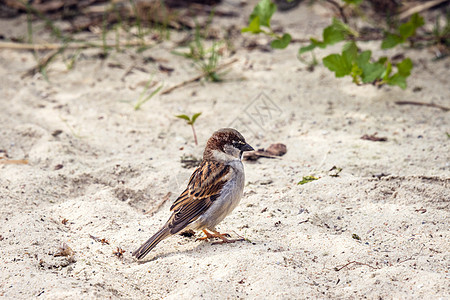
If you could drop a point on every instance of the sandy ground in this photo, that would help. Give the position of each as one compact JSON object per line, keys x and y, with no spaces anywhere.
{"x":98,"y":166}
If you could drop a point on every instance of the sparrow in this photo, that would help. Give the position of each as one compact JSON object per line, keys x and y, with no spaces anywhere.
{"x":214,"y":190}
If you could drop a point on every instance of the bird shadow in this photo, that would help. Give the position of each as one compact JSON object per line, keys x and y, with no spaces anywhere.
{"x":194,"y":251}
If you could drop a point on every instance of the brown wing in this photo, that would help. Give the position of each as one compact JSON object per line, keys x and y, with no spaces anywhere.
{"x":203,"y":188}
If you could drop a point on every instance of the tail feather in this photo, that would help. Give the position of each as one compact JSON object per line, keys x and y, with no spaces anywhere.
{"x":151,"y":243}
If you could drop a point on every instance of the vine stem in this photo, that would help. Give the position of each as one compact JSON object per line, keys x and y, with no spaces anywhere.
{"x":341,"y":10}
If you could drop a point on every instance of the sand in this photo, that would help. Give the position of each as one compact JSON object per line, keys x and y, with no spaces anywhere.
{"x":96,"y":168}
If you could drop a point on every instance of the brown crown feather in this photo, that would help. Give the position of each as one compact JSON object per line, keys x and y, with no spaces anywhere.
{"x":219,"y":139}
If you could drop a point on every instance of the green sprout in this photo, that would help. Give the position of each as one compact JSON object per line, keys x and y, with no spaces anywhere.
{"x":307,"y":179}
{"x":191,"y":122}
{"x":144,"y":96}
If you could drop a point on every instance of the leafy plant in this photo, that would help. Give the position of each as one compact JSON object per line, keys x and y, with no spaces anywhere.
{"x":404,"y":31}
{"x":360,"y":64}
{"x":191,"y":121}
{"x":362,"y":70}
{"x":352,"y":61}
{"x":335,"y":33}
{"x":260,"y":17}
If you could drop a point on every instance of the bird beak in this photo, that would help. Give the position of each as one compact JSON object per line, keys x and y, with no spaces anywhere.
{"x":247,"y":147}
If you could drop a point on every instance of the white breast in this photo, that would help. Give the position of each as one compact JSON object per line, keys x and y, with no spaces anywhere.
{"x":228,"y":200}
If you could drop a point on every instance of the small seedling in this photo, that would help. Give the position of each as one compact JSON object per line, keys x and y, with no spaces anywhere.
{"x":206,"y":59}
{"x":191,"y":122}
{"x":144,"y":96}
{"x":260,"y":17}
{"x":307,"y":179}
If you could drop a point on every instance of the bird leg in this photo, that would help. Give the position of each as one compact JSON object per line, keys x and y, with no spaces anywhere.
{"x":215,"y":234}
{"x":208,"y":236}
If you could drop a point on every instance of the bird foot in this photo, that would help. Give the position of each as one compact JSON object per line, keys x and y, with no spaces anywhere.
{"x":214,"y":235}
{"x":222,"y":236}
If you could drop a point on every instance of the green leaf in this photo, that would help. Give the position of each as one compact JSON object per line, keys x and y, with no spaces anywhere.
{"x":281,"y":43}
{"x":383,"y":60}
{"x":337,"y":64}
{"x":332,"y":35}
{"x":371,"y":72}
{"x":404,"y":67}
{"x":184,"y":117}
{"x":264,"y":10}
{"x":350,"y":50}
{"x":195,"y":116}
{"x":253,"y":27}
{"x":391,"y":40}
{"x":354,"y":2}
{"x":307,"y":179}
{"x":397,"y":79}
{"x":363,"y":58}
{"x":409,"y":28}
{"x":305,"y":49}
{"x":344,"y":28}
{"x":406,"y":30}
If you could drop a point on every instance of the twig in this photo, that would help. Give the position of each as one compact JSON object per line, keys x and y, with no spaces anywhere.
{"x":14,"y":161}
{"x":370,"y":230}
{"x":337,"y":269}
{"x":157,"y":207}
{"x":255,"y":155}
{"x":411,"y":257}
{"x":84,"y":45}
{"x":422,"y":104}
{"x":197,"y":78}
{"x":103,"y":241}
{"x":421,"y":7}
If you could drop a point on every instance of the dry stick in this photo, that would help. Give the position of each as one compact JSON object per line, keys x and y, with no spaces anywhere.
{"x":421,"y":7}
{"x":197,"y":78}
{"x":422,"y":104}
{"x":352,"y":262}
{"x":14,"y":161}
{"x":39,"y":47}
